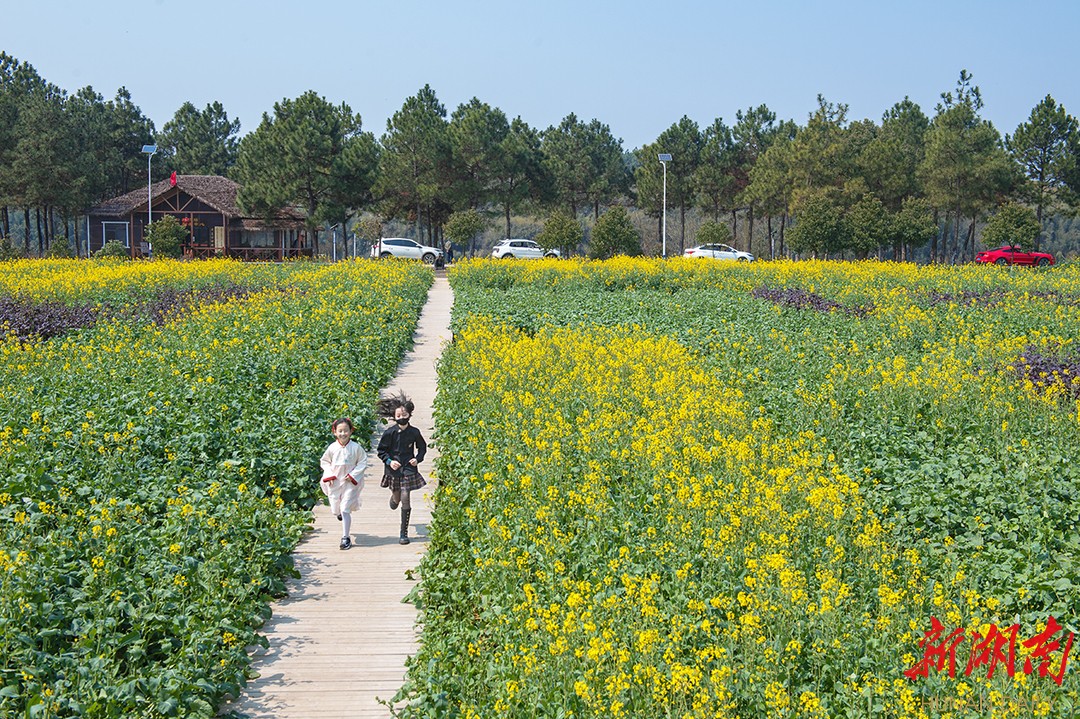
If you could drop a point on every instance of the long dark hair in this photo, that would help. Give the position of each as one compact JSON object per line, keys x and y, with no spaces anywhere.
{"x":387,"y":406}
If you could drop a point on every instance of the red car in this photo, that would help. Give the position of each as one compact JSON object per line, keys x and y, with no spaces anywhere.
{"x":1014,"y":255}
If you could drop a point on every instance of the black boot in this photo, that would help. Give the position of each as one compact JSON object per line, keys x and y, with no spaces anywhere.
{"x":404,"y":537}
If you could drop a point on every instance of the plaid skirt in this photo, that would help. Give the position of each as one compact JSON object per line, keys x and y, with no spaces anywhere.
{"x":407,"y":478}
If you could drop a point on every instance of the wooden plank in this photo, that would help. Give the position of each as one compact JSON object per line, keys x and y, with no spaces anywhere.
{"x":339,"y":640}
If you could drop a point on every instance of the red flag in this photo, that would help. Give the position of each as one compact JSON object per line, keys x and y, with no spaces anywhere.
{"x":172,"y":180}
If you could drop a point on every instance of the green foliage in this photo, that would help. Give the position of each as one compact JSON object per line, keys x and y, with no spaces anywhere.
{"x":585,"y":161}
{"x":166,"y":236}
{"x":369,"y":228}
{"x":819,"y":228}
{"x":58,"y":249}
{"x":648,"y":180}
{"x":9,"y":250}
{"x":70,"y":150}
{"x":713,"y":233}
{"x":683,"y":141}
{"x":613,"y":235}
{"x":463,"y":227}
{"x":866,"y":226}
{"x":126,"y":131}
{"x":522,"y":176}
{"x":716,"y":177}
{"x":1071,"y":176}
{"x":477,"y":133}
{"x":113,"y":248}
{"x":561,"y":231}
{"x":770,"y":184}
{"x":729,"y":155}
{"x":415,"y":154}
{"x":889,"y":162}
{"x":819,"y":158}
{"x":198,"y":142}
{"x":914,"y":224}
{"x":1012,"y":224}
{"x":1042,"y":147}
{"x":965,"y":167}
{"x":310,"y":154}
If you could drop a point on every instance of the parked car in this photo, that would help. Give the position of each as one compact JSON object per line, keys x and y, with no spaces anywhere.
{"x":520,"y":249}
{"x":719,"y":252}
{"x":1014,"y":255}
{"x":409,"y":249}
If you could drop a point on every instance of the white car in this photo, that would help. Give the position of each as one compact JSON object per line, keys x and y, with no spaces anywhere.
{"x":520,"y":249}
{"x":719,"y":252}
{"x":409,"y":249}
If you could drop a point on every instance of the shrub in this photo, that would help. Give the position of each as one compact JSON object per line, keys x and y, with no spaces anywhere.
{"x":166,"y":236}
{"x":1012,"y":224}
{"x":463,"y":227}
{"x":60,"y":250}
{"x":112,"y":248}
{"x":614,"y":234}
{"x":368,"y":230}
{"x":560,"y":231}
{"x":9,"y":250}
{"x":819,"y":227}
{"x":714,"y":233}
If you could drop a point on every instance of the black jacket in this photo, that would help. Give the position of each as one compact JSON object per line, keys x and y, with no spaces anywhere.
{"x":402,"y":445}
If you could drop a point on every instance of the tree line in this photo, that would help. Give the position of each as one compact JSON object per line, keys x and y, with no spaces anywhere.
{"x":828,"y":188}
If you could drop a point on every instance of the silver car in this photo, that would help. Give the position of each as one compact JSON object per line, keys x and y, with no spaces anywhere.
{"x":406,"y":248}
{"x":719,"y":252}
{"x":520,"y":249}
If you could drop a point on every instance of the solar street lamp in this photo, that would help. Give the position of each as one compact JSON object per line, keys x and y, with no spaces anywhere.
{"x":333,"y":247}
{"x":664,"y":158}
{"x":149,"y":150}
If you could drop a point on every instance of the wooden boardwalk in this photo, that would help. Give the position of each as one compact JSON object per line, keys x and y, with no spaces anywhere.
{"x":339,"y":641}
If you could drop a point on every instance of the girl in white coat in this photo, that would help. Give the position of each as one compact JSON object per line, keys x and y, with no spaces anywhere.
{"x":343,"y":465}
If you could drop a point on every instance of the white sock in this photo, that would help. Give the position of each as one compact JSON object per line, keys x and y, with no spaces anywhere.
{"x":346,"y":524}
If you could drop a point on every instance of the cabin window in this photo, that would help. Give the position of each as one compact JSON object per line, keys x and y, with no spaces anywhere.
{"x":115,"y":232}
{"x":200,"y":235}
{"x":259,"y":238}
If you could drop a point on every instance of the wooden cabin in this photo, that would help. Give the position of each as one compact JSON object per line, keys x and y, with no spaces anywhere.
{"x":206,"y":206}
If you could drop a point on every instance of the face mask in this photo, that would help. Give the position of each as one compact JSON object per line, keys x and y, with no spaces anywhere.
{"x":402,"y":421}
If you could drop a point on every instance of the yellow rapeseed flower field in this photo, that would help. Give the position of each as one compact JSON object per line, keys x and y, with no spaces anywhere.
{"x":158,"y":456}
{"x":696,"y":489}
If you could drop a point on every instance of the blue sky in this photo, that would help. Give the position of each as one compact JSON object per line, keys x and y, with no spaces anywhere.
{"x":636,"y":66}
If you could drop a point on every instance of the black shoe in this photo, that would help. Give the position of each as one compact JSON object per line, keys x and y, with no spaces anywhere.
{"x":346,"y":542}
{"x":338,"y":517}
{"x":403,"y":540}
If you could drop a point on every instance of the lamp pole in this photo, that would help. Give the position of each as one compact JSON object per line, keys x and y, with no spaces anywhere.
{"x":664,"y":158}
{"x":149,"y":150}
{"x":333,"y":247}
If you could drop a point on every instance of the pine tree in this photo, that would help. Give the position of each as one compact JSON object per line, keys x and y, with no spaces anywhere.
{"x":309,"y":154}
{"x":1041,"y":146}
{"x":198,"y":142}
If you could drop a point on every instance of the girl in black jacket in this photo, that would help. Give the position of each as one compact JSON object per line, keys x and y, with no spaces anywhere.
{"x":401,"y":449}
